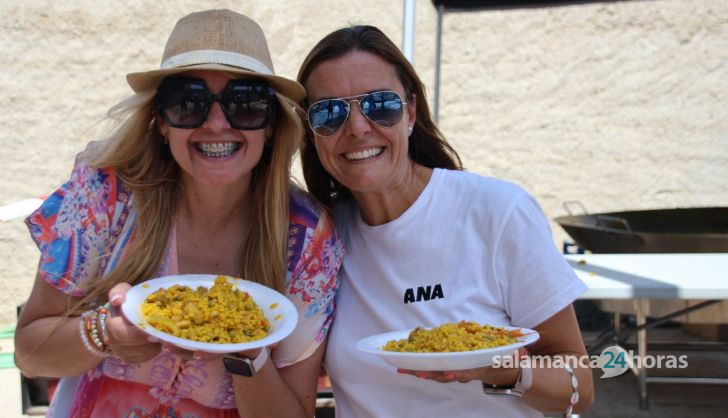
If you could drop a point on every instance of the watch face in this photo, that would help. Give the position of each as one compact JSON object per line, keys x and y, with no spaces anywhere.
{"x":238,"y":365}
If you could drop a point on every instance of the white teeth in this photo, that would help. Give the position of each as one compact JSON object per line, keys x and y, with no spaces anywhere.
{"x":217,"y":150}
{"x":363,"y":155}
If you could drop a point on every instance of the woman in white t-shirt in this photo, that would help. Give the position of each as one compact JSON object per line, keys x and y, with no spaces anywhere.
{"x":427,"y":243}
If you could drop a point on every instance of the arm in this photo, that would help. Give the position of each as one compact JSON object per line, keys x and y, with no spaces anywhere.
{"x":45,"y":339}
{"x":289,"y":391}
{"x":551,"y":388}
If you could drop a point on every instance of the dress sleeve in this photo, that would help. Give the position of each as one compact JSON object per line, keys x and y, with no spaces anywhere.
{"x":72,"y":227}
{"x":311,"y":286}
{"x":535,"y":280}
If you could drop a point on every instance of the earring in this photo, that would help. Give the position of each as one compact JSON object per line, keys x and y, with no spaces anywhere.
{"x":166,"y":141}
{"x":410,"y":130}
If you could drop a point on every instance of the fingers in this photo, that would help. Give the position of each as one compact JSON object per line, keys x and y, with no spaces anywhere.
{"x":121,"y":332}
{"x":448,"y":376}
{"x":250,"y":353}
{"x":190,"y":355}
{"x":126,"y":341}
{"x":201,"y":355}
{"x":117,"y":294}
{"x":138,"y":354}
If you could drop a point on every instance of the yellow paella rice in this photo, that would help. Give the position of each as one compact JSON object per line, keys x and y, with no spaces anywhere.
{"x":221,"y":314}
{"x":460,"y":336}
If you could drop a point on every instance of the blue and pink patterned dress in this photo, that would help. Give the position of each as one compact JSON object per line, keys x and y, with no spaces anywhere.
{"x":84,"y":229}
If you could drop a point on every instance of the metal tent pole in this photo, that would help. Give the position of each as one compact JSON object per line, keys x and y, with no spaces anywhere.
{"x":438,"y":47}
{"x":408,"y":30}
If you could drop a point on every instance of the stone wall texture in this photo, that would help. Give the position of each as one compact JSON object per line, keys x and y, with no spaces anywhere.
{"x":619,"y":105}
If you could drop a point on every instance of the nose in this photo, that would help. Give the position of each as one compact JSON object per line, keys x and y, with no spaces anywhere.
{"x":216,"y":120}
{"x":357,"y":124}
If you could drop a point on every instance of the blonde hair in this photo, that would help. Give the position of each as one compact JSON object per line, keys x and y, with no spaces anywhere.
{"x":137,"y":153}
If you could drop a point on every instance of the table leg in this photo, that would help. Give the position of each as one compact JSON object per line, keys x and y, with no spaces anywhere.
{"x":641,"y":307}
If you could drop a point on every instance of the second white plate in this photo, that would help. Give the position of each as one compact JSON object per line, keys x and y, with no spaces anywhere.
{"x":459,"y":360}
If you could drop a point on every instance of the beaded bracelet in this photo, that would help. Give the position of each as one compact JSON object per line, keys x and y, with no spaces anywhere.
{"x":574,"y":391}
{"x":103,"y":314}
{"x":98,"y":329}
{"x":91,"y":322}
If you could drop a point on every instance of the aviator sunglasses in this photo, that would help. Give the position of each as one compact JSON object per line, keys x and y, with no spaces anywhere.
{"x":327,"y":116}
{"x":185,"y":103}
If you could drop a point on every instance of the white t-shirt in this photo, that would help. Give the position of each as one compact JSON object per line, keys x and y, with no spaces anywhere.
{"x":483,"y":247}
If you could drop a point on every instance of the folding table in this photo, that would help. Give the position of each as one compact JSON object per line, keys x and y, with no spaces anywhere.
{"x":644,"y":277}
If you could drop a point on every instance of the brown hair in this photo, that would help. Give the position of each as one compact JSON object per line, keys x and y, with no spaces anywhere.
{"x":427,"y":145}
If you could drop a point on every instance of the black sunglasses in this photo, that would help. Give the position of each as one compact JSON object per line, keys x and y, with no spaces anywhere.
{"x":381,"y":107}
{"x":185,"y":103}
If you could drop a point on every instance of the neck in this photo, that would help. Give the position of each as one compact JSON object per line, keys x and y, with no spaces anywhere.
{"x":214,"y":208}
{"x":380,"y":207}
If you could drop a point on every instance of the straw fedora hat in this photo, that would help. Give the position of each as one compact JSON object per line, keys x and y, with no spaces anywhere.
{"x":220,"y":40}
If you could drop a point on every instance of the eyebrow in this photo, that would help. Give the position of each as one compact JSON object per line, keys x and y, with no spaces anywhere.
{"x":351,"y":97}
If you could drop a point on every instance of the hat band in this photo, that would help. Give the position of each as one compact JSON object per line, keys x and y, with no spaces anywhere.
{"x":213,"y":56}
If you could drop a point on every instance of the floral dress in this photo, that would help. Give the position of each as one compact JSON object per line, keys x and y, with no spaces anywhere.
{"x":84,"y":228}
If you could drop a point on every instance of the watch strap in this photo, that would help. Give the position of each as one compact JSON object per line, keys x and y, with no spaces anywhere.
{"x":259,"y":361}
{"x":524,"y":379}
{"x":512,"y":390}
{"x":244,"y":366}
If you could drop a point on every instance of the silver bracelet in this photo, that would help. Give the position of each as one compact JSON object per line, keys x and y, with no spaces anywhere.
{"x":574,"y":391}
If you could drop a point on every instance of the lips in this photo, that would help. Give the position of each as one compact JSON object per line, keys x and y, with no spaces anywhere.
{"x":364,"y":154}
{"x":217,"y":149}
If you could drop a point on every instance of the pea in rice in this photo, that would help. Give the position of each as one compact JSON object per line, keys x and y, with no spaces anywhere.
{"x":449,"y":337}
{"x":221,"y":314}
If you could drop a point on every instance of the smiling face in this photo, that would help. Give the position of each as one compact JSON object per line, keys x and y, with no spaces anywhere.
{"x":215,"y":154}
{"x":362,"y":155}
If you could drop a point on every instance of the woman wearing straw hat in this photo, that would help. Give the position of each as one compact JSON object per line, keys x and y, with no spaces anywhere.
{"x":195,"y":180}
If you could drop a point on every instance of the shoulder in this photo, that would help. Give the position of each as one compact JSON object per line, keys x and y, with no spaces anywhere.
{"x":87,"y":175}
{"x":310,"y":225}
{"x":73,"y":226}
{"x":304,"y":209}
{"x":484,"y":191}
{"x":89,"y":190}
{"x":311,"y":235}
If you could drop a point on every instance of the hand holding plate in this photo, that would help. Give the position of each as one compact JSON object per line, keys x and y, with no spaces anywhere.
{"x":494,"y":375}
{"x":126,"y":341}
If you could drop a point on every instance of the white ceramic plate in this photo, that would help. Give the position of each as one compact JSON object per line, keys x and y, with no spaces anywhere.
{"x":440,"y":361}
{"x":277,"y":308}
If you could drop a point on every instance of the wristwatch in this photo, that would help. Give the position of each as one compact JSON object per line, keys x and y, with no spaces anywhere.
{"x":244,"y":366}
{"x":523,"y":383}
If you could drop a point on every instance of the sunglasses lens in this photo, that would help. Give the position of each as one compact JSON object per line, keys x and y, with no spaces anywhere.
{"x":383,"y":108}
{"x":248,"y":104}
{"x":327,"y":116}
{"x":183,"y":103}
